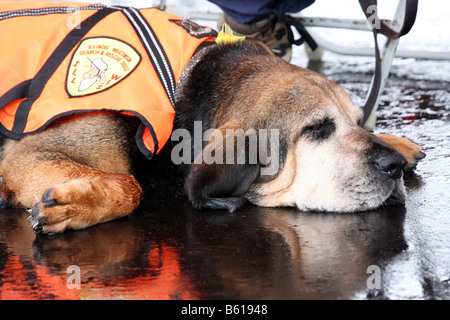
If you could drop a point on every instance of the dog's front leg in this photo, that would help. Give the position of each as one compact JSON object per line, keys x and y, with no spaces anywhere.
{"x":83,"y":202}
{"x":64,"y":194}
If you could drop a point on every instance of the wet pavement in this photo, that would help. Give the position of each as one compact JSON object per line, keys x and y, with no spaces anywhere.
{"x":167,"y":250}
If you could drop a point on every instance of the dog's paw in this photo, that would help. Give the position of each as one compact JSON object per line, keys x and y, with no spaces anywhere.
{"x":66,"y":206}
{"x":81,"y":203}
{"x":411,"y":151}
{"x":416,"y":157}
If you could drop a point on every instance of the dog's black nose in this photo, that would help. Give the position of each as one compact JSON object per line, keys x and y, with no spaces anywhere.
{"x":390,"y":162}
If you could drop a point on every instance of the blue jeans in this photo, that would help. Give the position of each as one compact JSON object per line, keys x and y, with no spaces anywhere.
{"x":245,"y":11}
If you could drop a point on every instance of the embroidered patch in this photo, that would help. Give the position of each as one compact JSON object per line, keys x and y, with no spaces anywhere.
{"x":195,"y":29}
{"x":98,"y":64}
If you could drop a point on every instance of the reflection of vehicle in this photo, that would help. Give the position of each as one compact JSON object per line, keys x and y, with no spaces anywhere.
{"x":96,"y":73}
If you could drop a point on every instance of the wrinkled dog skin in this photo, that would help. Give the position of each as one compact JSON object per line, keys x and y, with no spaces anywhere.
{"x":74,"y":175}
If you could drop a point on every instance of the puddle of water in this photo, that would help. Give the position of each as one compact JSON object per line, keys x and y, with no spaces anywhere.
{"x":167,"y":250}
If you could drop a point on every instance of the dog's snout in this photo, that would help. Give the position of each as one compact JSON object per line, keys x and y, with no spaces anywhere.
{"x":390,"y":162}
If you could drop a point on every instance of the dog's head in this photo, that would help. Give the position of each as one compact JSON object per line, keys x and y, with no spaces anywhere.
{"x":286,"y":136}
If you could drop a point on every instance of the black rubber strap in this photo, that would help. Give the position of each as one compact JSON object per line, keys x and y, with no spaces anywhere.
{"x":410,"y":17}
{"x":37,"y":84}
{"x":376,"y":85}
{"x":304,"y":34}
{"x":408,"y":22}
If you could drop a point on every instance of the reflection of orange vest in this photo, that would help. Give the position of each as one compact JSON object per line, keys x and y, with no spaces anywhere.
{"x":59,"y":59}
{"x":161,"y":279}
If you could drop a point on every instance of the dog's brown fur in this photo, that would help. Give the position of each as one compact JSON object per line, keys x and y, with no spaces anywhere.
{"x":82,"y":170}
{"x":74,"y":176}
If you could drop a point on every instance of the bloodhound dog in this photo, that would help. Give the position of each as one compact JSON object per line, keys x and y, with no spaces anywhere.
{"x":249,"y":128}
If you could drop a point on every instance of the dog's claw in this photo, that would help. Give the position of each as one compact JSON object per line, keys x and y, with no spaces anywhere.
{"x":417,"y":157}
{"x":4,"y":203}
{"x":37,"y":221}
{"x":420,"y":156}
{"x":37,"y":228}
{"x":47,"y":201}
{"x":35,"y":211}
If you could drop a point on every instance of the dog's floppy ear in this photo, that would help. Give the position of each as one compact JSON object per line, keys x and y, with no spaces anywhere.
{"x":224,"y":170}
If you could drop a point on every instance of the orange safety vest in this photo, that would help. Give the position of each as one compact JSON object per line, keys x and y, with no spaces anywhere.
{"x":58,"y":59}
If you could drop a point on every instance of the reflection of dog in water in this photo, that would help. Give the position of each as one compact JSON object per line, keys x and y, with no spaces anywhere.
{"x":95,"y":74}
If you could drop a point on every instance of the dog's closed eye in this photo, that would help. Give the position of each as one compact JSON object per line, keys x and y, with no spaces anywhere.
{"x":320,"y":130}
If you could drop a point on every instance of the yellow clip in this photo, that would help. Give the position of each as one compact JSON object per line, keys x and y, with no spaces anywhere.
{"x":226,"y":36}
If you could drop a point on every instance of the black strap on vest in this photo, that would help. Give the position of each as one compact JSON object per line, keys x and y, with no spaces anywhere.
{"x":32,"y":89}
{"x":410,"y":17}
{"x":154,"y":49}
{"x":161,"y":65}
{"x":20,"y":91}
